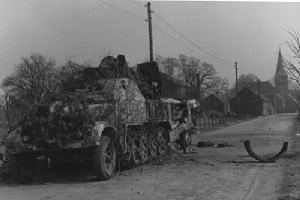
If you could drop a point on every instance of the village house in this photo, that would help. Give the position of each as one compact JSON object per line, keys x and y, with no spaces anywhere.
{"x":251,"y":104}
{"x":212,"y":103}
{"x":278,"y":93}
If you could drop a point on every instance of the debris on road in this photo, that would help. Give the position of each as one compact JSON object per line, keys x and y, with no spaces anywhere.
{"x":262,"y":158}
{"x":205,"y":144}
{"x":223,"y":144}
{"x":211,"y":144}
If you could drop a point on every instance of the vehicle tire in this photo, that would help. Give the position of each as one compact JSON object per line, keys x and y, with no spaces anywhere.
{"x":185,"y":139}
{"x":22,"y":168}
{"x":104,"y":161}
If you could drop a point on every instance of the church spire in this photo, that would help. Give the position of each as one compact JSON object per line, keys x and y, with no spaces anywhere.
{"x":281,"y":77}
{"x":279,"y":69}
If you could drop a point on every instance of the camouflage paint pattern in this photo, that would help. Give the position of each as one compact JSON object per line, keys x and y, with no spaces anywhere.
{"x":130,"y":108}
{"x":119,"y":102}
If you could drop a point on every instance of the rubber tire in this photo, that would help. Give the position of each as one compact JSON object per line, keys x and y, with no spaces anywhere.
{"x":99,"y":159}
{"x":184,"y":142}
{"x":21,"y":168}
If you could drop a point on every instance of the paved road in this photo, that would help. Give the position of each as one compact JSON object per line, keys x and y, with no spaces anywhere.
{"x":210,"y":173}
{"x":260,"y":180}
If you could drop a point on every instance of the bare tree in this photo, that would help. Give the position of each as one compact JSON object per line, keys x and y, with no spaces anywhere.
{"x":293,"y":64}
{"x":33,"y":83}
{"x":167,"y":65}
{"x":245,"y":80}
{"x":208,"y":79}
{"x":218,"y":85}
{"x":34,"y":79}
{"x":191,"y":70}
{"x":14,"y":110}
{"x":202,"y":75}
{"x":70,"y":74}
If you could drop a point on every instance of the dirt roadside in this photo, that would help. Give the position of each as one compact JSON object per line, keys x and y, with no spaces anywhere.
{"x":209,"y":173}
{"x":290,"y":187}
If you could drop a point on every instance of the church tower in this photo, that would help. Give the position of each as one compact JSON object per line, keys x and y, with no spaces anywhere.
{"x":281,"y":77}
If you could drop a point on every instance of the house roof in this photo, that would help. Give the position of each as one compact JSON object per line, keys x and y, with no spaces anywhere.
{"x":264,"y":87}
{"x":262,"y":97}
{"x":271,"y":96}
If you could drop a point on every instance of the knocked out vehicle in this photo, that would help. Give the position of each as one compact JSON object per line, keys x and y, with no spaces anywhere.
{"x":106,"y":122}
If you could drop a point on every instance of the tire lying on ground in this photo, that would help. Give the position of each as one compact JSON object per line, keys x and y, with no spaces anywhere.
{"x":263,"y":158}
{"x":104,"y":160}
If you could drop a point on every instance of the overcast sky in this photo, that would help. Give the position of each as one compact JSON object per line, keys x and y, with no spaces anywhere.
{"x":86,"y":30}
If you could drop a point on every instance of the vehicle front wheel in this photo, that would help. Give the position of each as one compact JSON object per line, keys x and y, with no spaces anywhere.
{"x":185,"y":140}
{"x":104,"y":161}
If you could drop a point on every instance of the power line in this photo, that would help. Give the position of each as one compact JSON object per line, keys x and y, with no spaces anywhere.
{"x":188,"y":40}
{"x":158,"y":28}
{"x":139,"y":17}
{"x":137,"y":3}
{"x":122,"y":10}
{"x":174,"y":38}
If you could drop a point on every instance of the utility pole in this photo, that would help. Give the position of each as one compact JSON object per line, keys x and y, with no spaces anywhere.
{"x":237,"y":91}
{"x":275,"y":96}
{"x":150,"y":31}
{"x":258,"y":87}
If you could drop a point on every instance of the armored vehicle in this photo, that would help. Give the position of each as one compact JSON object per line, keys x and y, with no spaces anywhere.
{"x":115,"y":118}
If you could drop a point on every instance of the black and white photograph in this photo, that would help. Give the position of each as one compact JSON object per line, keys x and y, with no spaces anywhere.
{"x":142,"y":100}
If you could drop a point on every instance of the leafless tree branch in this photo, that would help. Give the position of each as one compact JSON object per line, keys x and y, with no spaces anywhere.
{"x":293,"y":66}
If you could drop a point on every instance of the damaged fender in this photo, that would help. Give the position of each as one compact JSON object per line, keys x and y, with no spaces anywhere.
{"x":263,"y":158}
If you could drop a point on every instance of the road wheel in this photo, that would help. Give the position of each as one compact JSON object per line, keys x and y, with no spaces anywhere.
{"x":162,"y":142}
{"x":22,"y":168}
{"x":144,"y":149}
{"x":152,"y":147}
{"x":136,"y":158}
{"x":104,"y":161}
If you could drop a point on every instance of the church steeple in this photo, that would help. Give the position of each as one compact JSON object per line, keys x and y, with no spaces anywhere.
{"x":279,"y":69}
{"x":281,"y":77}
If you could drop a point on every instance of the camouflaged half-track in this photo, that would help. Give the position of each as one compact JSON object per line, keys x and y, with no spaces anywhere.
{"x":128,"y":122}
